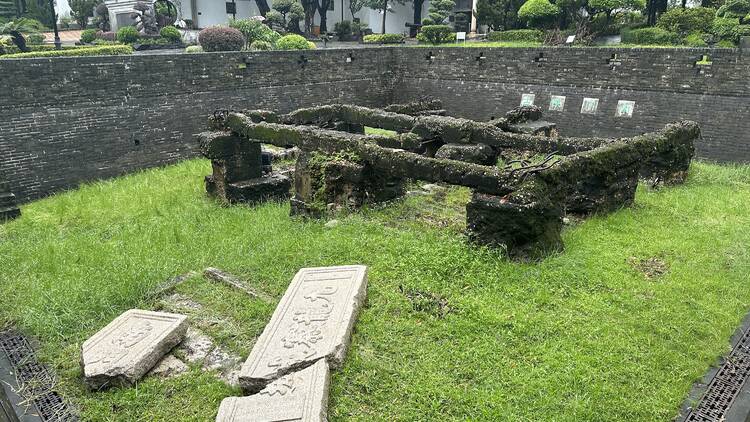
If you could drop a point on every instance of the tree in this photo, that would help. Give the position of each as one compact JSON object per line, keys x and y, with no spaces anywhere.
{"x":323,"y":6}
{"x":382,"y":6}
{"x":735,"y":9}
{"x":82,"y":10}
{"x":685,"y":21}
{"x":417,"y":17}
{"x":262,"y":7}
{"x":15,"y":30}
{"x":654,"y":8}
{"x":356,"y":5}
{"x":612,"y":7}
{"x":440,"y":10}
{"x":498,"y":15}
{"x":539,"y":13}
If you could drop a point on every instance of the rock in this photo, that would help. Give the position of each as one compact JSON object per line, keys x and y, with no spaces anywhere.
{"x":169,"y":367}
{"x":220,"y":276}
{"x":299,"y":396}
{"x":128,"y":347}
{"x":196,"y":346}
{"x":431,"y":187}
{"x":181,"y":302}
{"x":331,"y":224}
{"x":470,"y":153}
{"x":313,"y":320}
{"x":220,"y":360}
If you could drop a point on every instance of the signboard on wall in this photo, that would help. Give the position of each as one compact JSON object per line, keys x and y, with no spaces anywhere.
{"x":625,"y":108}
{"x":527,"y":99}
{"x":557,"y":103}
{"x":589,"y":105}
{"x":231,"y":8}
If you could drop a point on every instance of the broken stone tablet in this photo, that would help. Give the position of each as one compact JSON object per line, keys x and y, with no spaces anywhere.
{"x":126,"y":349}
{"x":313,"y":320}
{"x":299,"y":396}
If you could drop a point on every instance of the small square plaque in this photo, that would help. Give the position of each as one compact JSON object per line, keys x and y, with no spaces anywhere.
{"x":589,"y":105}
{"x":557,"y":103}
{"x":625,"y":108}
{"x":527,"y":99}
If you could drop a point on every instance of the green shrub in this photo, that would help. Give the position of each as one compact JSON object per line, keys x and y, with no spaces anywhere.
{"x":292,"y":42}
{"x":193,"y":49}
{"x":127,"y":35}
{"x":649,"y":36}
{"x":696,"y":39}
{"x":734,"y":9}
{"x":171,"y":33}
{"x":724,"y":28}
{"x":254,"y":30}
{"x":725,"y":44}
{"x":261,"y":45}
{"x":343,"y":28}
{"x":221,"y":38}
{"x":35,"y":38}
{"x":538,"y":13}
{"x":311,"y":45}
{"x":383,"y":39}
{"x":436,"y":34}
{"x":523,"y":35}
{"x":109,"y":50}
{"x":740,"y":31}
{"x":685,"y":21}
{"x":88,"y":36}
{"x":427,"y":21}
{"x":106,"y":36}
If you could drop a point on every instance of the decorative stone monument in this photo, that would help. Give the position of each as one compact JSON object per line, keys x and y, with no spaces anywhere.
{"x":299,"y":396}
{"x":128,"y":347}
{"x":313,"y":322}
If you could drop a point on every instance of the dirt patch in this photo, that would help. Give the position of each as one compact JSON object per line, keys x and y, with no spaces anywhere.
{"x":427,"y":302}
{"x":651,"y":268}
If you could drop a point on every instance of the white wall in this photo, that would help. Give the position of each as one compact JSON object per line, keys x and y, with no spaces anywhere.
{"x":62,"y":8}
{"x":213,"y":12}
{"x":394,"y":22}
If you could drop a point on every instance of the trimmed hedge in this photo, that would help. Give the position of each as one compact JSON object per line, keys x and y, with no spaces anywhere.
{"x":649,"y":36}
{"x":171,"y":33}
{"x":261,"y":45}
{"x":35,"y":38}
{"x":522,"y":35}
{"x":221,"y":38}
{"x":107,"y":50}
{"x":688,"y":20}
{"x":12,"y":49}
{"x":293,"y":42}
{"x":128,"y":35}
{"x":538,"y":13}
{"x":383,"y":39}
{"x":193,"y":49}
{"x":88,"y":36}
{"x":436,"y":34}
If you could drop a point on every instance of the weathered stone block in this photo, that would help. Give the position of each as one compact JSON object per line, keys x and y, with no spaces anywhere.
{"x":128,"y":347}
{"x":603,"y":191}
{"x":313,"y":321}
{"x":274,"y":186}
{"x":8,"y":208}
{"x":299,"y":396}
{"x":217,"y":145}
{"x":471,"y":153}
{"x":524,"y":225}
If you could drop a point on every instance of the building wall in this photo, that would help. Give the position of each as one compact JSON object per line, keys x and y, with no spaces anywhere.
{"x":68,"y":120}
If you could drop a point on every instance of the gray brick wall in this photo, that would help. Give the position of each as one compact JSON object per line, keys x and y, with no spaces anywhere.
{"x":69,"y":120}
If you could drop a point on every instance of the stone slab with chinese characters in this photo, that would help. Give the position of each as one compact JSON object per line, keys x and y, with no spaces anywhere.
{"x":125,"y":350}
{"x":299,"y":396}
{"x":313,"y":320}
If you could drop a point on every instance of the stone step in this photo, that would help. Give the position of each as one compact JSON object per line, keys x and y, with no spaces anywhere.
{"x":9,"y":213}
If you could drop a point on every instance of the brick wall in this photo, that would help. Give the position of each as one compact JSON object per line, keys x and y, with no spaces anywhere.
{"x":69,"y":120}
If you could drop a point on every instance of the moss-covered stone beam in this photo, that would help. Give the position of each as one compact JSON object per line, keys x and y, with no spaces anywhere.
{"x":397,"y":163}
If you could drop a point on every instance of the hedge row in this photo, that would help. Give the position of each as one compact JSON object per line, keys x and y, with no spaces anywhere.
{"x":105,"y":50}
{"x":649,"y":36}
{"x":522,"y":35}
{"x":383,"y":39}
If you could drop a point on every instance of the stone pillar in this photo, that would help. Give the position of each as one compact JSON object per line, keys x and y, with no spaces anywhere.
{"x":8,"y":208}
{"x":603,"y":191}
{"x":473,"y":17}
{"x":326,"y":184}
{"x":745,"y":44}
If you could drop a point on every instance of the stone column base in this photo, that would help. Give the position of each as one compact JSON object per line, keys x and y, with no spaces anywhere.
{"x":271,"y":187}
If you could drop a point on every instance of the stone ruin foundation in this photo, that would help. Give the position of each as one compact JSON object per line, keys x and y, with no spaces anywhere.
{"x":8,"y":208}
{"x":518,"y":205}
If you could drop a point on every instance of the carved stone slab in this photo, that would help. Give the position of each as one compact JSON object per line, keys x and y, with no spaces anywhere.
{"x":299,"y":396}
{"x":126,"y":349}
{"x":314,"y":320}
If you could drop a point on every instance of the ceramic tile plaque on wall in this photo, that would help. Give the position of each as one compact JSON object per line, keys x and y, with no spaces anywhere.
{"x":527,"y":99}
{"x":625,"y":108}
{"x":557,"y":103}
{"x":589,"y":105}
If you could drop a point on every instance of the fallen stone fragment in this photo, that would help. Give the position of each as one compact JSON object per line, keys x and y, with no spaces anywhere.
{"x":180,"y":302}
{"x":299,"y":396}
{"x":195,"y":347}
{"x":127,"y":348}
{"x":169,"y":367}
{"x":220,"y":360}
{"x":226,"y":278}
{"x":313,"y":320}
{"x":170,"y":284}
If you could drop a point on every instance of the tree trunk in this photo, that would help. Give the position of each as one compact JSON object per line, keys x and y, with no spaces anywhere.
{"x":418,"y":11}
{"x":385,"y":12}
{"x":323,"y":11}
{"x":262,"y":7}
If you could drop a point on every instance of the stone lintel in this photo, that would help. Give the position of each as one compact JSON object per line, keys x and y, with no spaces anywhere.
{"x":313,"y":321}
{"x":127,"y":348}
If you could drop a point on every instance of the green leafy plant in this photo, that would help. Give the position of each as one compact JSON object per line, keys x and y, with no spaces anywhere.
{"x":517,"y":35}
{"x":128,"y":35}
{"x":696,"y":39}
{"x":88,"y":36}
{"x":436,"y":34}
{"x":35,"y":38}
{"x":688,"y":20}
{"x":735,"y":9}
{"x":108,"y":50}
{"x":725,"y":28}
{"x":193,"y":49}
{"x":539,"y":13}
{"x":261,"y":45}
{"x":649,"y":36}
{"x":82,"y":10}
{"x":383,"y":39}
{"x":254,"y":30}
{"x":440,"y":10}
{"x":293,"y":42}
{"x":171,"y":33}
{"x":221,"y":38}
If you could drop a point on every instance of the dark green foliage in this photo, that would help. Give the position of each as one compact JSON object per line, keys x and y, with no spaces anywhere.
{"x":688,"y":20}
{"x":39,"y":10}
{"x":343,"y":28}
{"x":383,"y":39}
{"x":254,"y":30}
{"x":261,"y":45}
{"x":735,"y":9}
{"x":696,"y":39}
{"x":82,"y":10}
{"x":436,"y":34}
{"x":440,"y":10}
{"x":107,"y":50}
{"x":171,"y":33}
{"x":221,"y":38}
{"x":127,"y":35}
{"x":293,"y":42}
{"x":35,"y":38}
{"x":88,"y":36}
{"x":725,"y":28}
{"x":498,"y":15}
{"x":649,"y":36}
{"x":538,"y":13}
{"x":521,"y":35}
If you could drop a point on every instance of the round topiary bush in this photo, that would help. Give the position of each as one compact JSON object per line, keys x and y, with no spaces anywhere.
{"x":254,"y":30}
{"x":436,"y":34}
{"x":171,"y":33}
{"x":35,"y":38}
{"x":193,"y":49}
{"x":128,"y":35}
{"x":88,"y":36}
{"x":517,"y":35}
{"x":261,"y":45}
{"x":292,"y":42}
{"x":221,"y":38}
{"x":538,"y":13}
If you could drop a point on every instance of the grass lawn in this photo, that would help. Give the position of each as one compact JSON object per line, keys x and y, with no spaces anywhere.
{"x":523,"y":44}
{"x":449,"y":331}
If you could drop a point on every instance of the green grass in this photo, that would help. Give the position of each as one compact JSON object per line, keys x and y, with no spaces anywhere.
{"x":378,"y":131}
{"x":525,"y":44}
{"x":449,"y":331}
